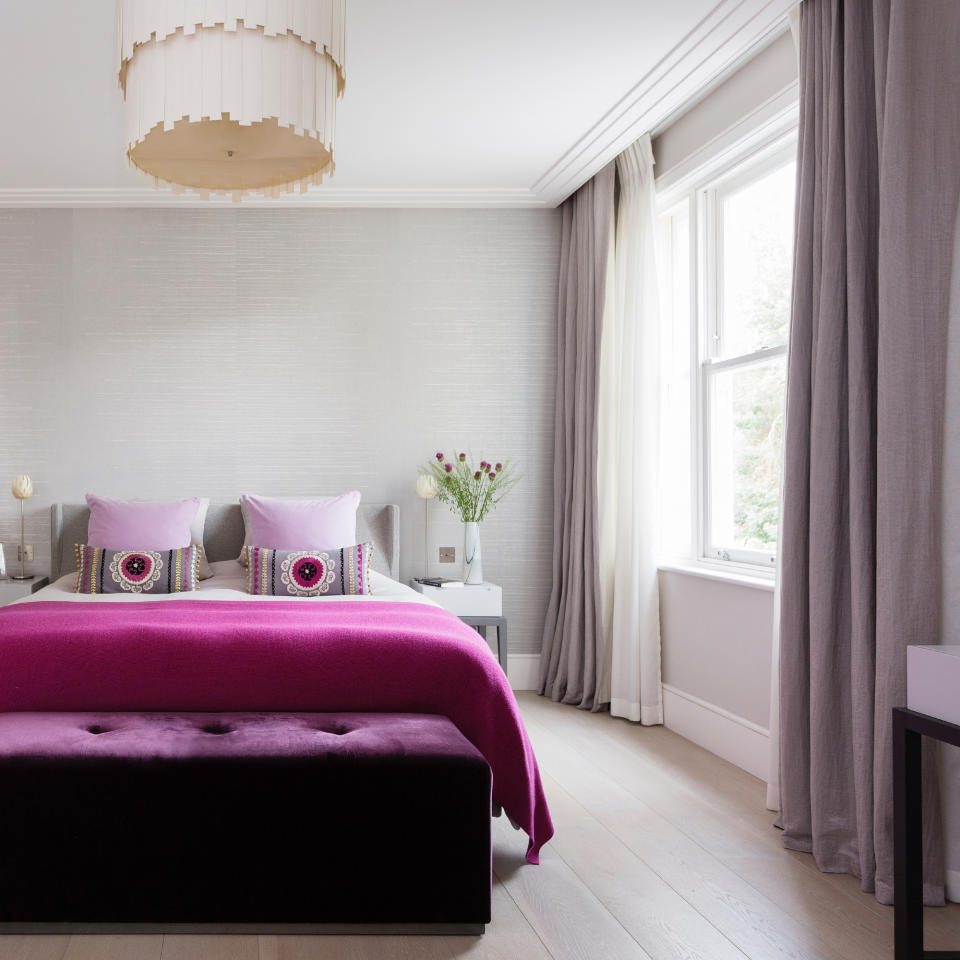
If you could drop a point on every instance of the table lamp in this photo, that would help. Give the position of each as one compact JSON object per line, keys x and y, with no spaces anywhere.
{"x":22,"y":490}
{"x":426,"y":491}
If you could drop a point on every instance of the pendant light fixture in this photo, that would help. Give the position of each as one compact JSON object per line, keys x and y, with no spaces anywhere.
{"x":231,"y":96}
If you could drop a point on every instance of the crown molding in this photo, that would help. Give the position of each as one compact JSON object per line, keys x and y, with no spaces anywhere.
{"x":325,"y":196}
{"x":717,"y":42}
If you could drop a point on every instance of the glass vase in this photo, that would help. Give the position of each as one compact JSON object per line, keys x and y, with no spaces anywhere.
{"x":472,"y":560}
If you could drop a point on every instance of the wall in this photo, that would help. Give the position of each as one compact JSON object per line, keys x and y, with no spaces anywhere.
{"x":716,"y":640}
{"x":730,"y":664}
{"x":717,"y":634}
{"x":159,"y":353}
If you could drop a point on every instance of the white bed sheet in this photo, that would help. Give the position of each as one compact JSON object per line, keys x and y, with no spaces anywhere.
{"x":227,"y":583}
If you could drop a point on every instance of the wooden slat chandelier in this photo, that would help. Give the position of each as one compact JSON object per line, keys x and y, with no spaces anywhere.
{"x":231,"y":96}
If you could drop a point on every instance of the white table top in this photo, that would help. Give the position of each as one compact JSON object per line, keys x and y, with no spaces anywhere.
{"x":11,"y":590}
{"x":470,"y":600}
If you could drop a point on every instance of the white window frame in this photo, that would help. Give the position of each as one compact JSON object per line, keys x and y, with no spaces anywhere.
{"x":700,"y":191}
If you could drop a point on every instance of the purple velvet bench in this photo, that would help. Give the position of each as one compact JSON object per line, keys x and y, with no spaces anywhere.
{"x":230,"y":819}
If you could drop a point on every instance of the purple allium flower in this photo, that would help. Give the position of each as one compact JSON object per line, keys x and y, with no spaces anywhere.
{"x":484,"y":464}
{"x":448,"y":467}
{"x":440,"y":457}
{"x":476,"y":476}
{"x":463,"y":457}
{"x":499,"y":467}
{"x":493,"y":476}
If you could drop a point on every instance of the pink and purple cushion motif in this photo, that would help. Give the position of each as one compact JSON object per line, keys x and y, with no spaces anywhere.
{"x":309,"y":573}
{"x":101,"y":570}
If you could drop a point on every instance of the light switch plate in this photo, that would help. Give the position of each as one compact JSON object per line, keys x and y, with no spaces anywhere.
{"x":448,"y":554}
{"x":27,"y":551}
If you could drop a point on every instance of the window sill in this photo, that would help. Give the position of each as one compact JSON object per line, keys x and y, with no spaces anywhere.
{"x":710,"y":571}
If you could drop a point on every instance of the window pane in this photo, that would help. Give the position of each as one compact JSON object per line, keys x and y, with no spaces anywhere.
{"x":746,"y":438}
{"x":673,"y":261}
{"x":756,"y":249}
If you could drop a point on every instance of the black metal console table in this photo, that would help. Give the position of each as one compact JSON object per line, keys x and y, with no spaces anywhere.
{"x":908,"y":729}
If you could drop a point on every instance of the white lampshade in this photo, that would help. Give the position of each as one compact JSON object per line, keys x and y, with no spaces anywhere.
{"x":237,"y":97}
{"x":426,"y":487}
{"x":22,"y":487}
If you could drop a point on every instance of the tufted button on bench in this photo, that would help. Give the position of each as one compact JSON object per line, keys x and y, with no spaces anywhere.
{"x":242,"y":818}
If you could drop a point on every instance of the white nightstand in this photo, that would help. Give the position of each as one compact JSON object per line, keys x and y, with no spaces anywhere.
{"x":11,"y":590}
{"x":479,"y":606}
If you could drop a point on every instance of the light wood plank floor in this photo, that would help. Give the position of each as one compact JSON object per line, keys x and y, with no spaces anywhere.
{"x":663,"y":852}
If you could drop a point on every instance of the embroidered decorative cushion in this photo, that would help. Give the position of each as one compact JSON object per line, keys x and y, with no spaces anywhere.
{"x":101,"y":570}
{"x":286,"y":524}
{"x":309,"y":573}
{"x":154,"y":524}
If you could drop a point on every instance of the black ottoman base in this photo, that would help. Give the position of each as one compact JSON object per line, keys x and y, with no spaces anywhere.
{"x":251,"y":929}
{"x":242,"y":819}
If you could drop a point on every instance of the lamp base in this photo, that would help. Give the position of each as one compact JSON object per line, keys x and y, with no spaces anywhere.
{"x":29,"y":576}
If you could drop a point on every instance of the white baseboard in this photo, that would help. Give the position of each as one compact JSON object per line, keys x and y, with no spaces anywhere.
{"x":733,"y":738}
{"x":523,"y":670}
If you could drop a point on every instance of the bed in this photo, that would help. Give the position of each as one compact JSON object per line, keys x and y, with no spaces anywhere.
{"x":222,"y":650}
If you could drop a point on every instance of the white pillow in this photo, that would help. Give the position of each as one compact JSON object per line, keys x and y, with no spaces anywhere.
{"x":196,"y":536}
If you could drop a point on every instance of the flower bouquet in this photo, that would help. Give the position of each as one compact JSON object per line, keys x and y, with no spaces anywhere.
{"x":471,"y":492}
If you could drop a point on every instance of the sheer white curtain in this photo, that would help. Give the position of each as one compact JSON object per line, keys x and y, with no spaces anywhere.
{"x":627,"y":448}
{"x":773,"y":775}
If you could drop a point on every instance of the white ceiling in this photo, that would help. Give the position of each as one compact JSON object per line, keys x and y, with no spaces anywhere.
{"x":448,"y":102}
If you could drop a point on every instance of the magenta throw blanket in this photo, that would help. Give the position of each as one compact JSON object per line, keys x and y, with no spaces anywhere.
{"x":296,"y":656}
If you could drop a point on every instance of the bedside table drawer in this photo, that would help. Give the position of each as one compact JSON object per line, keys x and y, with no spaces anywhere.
{"x":11,"y":590}
{"x":482,"y":600}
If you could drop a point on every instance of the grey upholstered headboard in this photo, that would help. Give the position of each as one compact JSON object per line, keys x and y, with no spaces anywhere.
{"x":223,"y":534}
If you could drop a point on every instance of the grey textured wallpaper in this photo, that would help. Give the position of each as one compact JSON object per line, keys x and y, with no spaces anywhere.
{"x":156,"y":354}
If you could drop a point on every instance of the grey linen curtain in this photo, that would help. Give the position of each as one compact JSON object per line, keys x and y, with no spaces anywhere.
{"x":878,"y":181}
{"x":571,"y":654}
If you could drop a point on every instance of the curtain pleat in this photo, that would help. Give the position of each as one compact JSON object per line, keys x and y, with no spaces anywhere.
{"x":572,"y":635}
{"x":950,"y":573}
{"x":879,"y":157}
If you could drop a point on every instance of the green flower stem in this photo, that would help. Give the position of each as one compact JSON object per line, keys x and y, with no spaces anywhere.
{"x":469,"y":497}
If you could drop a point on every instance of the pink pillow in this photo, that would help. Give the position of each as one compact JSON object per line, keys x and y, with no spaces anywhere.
{"x":301,"y":524}
{"x":140,"y":524}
